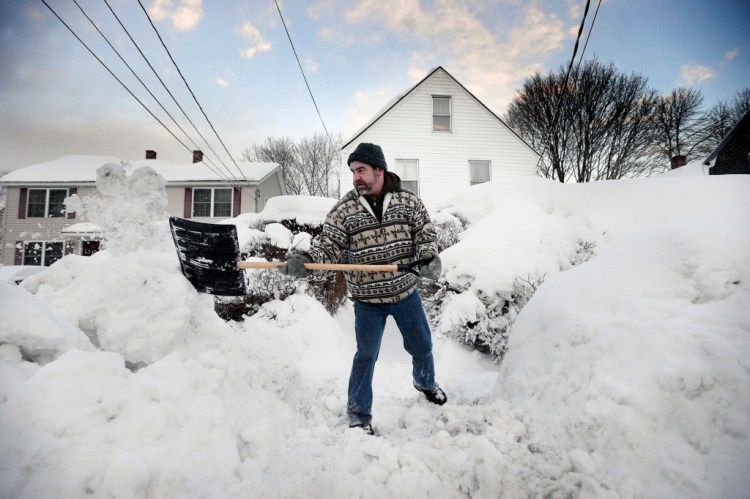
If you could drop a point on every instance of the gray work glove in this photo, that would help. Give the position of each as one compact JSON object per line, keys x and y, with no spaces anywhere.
{"x":431,"y":270}
{"x":295,"y":265}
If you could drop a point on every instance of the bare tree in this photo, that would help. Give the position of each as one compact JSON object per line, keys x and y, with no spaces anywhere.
{"x":611,"y":124}
{"x":532,"y":116}
{"x":723,"y":116}
{"x":603,"y":128}
{"x":318,"y":160}
{"x":681,"y":125}
{"x":309,"y":166}
{"x":279,"y":151}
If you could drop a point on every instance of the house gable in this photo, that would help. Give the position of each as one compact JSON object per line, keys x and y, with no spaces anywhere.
{"x":404,"y":129}
{"x":733,"y":153}
{"x":400,"y":97}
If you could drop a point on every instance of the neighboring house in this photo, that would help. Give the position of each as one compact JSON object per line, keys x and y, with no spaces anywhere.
{"x":439,"y":138}
{"x":732,"y":155}
{"x":38,"y":230}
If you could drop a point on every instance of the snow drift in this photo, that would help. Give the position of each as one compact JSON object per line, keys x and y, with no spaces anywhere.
{"x":627,"y":374}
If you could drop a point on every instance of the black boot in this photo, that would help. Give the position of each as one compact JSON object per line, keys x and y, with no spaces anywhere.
{"x":366,"y":427}
{"x":435,"y":395}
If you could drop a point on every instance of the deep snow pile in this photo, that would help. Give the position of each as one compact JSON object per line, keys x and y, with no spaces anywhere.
{"x":627,"y":375}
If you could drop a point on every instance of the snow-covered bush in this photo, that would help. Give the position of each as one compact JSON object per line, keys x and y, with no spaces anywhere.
{"x":272,"y":242}
{"x":448,"y":227}
{"x":329,"y":288}
{"x":481,"y":319}
{"x":477,"y":319}
{"x":263,"y":285}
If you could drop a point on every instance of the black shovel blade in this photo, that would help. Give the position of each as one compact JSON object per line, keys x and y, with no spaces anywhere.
{"x":208,"y":256}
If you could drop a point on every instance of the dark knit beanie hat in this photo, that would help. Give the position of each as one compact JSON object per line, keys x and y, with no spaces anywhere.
{"x":369,"y":154}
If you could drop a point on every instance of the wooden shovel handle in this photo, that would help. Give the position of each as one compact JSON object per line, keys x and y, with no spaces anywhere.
{"x":321,"y":266}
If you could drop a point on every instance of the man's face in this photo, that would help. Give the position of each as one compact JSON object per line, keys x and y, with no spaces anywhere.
{"x":366,"y":179}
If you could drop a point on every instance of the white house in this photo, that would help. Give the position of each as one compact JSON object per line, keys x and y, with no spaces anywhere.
{"x":38,"y":230}
{"x":437,"y":136}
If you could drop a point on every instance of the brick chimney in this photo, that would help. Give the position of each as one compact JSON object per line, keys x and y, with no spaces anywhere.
{"x":678,"y":161}
{"x":197,"y":156}
{"x":150,"y":154}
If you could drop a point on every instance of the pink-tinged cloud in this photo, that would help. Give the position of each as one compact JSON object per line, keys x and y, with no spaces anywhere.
{"x":184,"y":17}
{"x":254,"y":37}
{"x":692,"y":74}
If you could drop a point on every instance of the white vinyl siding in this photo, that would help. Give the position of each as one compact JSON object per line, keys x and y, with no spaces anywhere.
{"x":479,"y":172}
{"x":408,"y":170}
{"x":405,"y":131}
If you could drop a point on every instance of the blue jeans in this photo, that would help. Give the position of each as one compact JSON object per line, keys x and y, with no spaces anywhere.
{"x":369,"y":324}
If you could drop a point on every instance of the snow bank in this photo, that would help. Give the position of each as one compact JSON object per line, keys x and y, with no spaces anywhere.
{"x":627,"y":374}
{"x":31,"y":330}
{"x":13,"y":274}
{"x":307,"y":210}
{"x":137,"y":304}
{"x":531,"y":227}
{"x":639,"y":359}
{"x":696,"y":167}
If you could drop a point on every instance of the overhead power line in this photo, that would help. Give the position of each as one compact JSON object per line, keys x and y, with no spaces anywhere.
{"x":113,"y":75}
{"x":570,"y":66}
{"x":127,"y":32}
{"x":231,"y":179}
{"x":189,"y":89}
{"x":303,"y":73}
{"x":135,"y":74}
{"x":588,"y":36}
{"x":145,"y":107}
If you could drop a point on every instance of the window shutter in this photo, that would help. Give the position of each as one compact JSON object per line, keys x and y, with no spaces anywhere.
{"x":19,"y":252}
{"x":70,"y":247}
{"x":237,"y":202}
{"x":188,"y":202}
{"x":22,"y":203}
{"x":72,"y":214}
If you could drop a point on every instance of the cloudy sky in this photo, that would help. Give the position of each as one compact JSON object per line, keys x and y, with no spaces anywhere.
{"x":57,"y":99}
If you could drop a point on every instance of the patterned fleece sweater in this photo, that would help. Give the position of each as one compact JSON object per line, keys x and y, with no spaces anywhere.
{"x":353,"y":234}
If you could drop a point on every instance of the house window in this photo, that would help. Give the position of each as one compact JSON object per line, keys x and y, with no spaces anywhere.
{"x":46,"y":203}
{"x":408,"y":170}
{"x":42,"y":253}
{"x":212,"y":202}
{"x":441,"y":114}
{"x":88,"y":248}
{"x":479,"y":172}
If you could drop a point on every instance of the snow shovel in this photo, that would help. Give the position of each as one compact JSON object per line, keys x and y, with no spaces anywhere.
{"x":210,"y":258}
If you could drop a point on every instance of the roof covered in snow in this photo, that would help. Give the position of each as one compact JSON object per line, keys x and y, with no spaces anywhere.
{"x":81,"y":168}
{"x":304,"y":209}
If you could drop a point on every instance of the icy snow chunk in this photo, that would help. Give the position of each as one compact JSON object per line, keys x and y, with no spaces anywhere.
{"x":31,"y":325}
{"x":460,"y":309}
{"x":138,"y":304}
{"x":301,"y":241}
{"x":306,"y":210}
{"x":581,"y":461}
{"x":130,"y":209}
{"x":61,"y":273}
{"x":279,"y":235}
